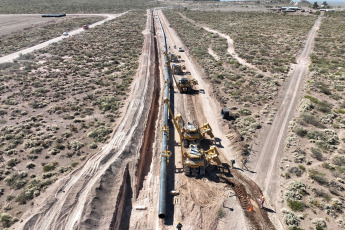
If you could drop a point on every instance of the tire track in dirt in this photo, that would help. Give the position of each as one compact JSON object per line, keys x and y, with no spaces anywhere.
{"x":272,"y":148}
{"x":231,"y":46}
{"x":71,"y":203}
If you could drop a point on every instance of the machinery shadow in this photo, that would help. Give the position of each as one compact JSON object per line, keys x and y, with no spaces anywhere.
{"x":213,"y":172}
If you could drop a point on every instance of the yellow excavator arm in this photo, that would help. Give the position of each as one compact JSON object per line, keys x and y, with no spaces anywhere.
{"x":177,"y":122}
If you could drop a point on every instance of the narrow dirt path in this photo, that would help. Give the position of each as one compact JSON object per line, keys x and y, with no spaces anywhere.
{"x":271,"y":152}
{"x":86,"y":198}
{"x":11,"y":57}
{"x":231,"y":46}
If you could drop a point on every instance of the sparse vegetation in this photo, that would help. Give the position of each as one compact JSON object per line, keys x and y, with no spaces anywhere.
{"x":35,"y":35}
{"x":236,"y":84}
{"x":262,"y":43}
{"x":7,"y":220}
{"x":78,"y":6}
{"x":57,"y":96}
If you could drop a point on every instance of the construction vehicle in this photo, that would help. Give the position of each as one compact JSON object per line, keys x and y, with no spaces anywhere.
{"x":173,"y":57}
{"x":177,"y":68}
{"x":193,"y":133}
{"x":196,"y":160}
{"x":183,"y":84}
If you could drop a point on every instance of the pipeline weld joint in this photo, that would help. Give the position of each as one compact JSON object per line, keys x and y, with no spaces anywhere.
{"x":167,"y":154}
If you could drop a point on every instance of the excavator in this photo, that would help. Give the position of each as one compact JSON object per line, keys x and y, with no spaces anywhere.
{"x":195,"y":160}
{"x":183,"y":84}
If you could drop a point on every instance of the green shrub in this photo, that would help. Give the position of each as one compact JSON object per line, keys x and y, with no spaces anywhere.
{"x":339,"y":160}
{"x":318,"y":177}
{"x":317,"y":154}
{"x":220,"y":213}
{"x":301,"y":167}
{"x":7,"y":220}
{"x":16,"y":180}
{"x":300,"y":131}
{"x":295,"y":228}
{"x":33,"y":188}
{"x":324,"y":107}
{"x":50,"y":167}
{"x":12,"y":162}
{"x":93,"y":145}
{"x":312,"y":99}
{"x":310,"y":119}
{"x":296,"y":205}
{"x":1,"y":191}
{"x":100,"y":134}
{"x":30,"y":165}
{"x":74,"y":164}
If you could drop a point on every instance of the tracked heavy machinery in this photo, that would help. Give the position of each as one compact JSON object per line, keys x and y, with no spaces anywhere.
{"x":184,"y":84}
{"x":193,"y":133}
{"x":177,"y":68}
{"x":195,"y":160}
{"x":173,"y":57}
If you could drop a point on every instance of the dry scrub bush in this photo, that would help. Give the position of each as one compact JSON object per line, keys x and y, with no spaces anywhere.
{"x":7,"y":220}
{"x":51,"y":103}
{"x":290,"y":218}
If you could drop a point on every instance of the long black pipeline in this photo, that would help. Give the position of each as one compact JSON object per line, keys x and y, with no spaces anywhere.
{"x":163,"y":176}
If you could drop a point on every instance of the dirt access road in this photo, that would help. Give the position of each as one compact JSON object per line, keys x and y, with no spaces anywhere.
{"x":90,"y":197}
{"x":200,"y":199}
{"x":271,"y":150}
{"x":11,"y":57}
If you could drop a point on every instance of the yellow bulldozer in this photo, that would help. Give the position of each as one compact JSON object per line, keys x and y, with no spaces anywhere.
{"x":195,"y":160}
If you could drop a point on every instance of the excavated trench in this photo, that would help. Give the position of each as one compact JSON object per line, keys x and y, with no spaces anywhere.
{"x":147,"y":147}
{"x":247,"y":193}
{"x":124,"y":203}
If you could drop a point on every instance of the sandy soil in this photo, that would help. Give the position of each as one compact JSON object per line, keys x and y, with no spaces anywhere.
{"x":272,"y":140}
{"x":93,"y":196}
{"x":212,"y":202}
{"x":11,"y":57}
{"x":10,"y":23}
{"x":101,"y":195}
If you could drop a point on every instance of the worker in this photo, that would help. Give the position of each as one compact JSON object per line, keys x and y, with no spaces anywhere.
{"x":242,"y":161}
{"x":232,"y":163}
{"x":262,"y":201}
{"x":179,"y":225}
